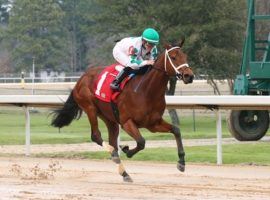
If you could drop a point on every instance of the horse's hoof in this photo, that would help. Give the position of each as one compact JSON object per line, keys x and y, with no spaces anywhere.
{"x":127,"y":179}
{"x":129,"y":154}
{"x":116,"y":159}
{"x":180,"y":167}
{"x":125,"y":148}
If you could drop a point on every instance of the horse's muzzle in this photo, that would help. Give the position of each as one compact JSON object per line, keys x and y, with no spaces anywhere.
{"x":187,"y":78}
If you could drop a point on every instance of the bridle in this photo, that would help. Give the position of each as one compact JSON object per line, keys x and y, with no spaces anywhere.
{"x":176,"y":69}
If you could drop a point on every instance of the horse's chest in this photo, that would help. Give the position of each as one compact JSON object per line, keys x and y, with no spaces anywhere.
{"x":150,"y":115}
{"x":143,"y":111}
{"x":154,"y":109}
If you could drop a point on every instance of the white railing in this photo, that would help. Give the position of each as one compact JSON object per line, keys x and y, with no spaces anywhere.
{"x":216,"y":103}
{"x":39,"y":79}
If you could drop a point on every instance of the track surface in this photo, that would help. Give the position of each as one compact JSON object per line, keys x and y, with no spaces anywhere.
{"x":38,"y":178}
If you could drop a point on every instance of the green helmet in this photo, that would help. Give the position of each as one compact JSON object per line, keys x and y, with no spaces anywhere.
{"x":151,"y":35}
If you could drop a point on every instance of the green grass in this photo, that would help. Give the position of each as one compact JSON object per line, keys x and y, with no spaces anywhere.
{"x":12,"y":130}
{"x":232,"y":154}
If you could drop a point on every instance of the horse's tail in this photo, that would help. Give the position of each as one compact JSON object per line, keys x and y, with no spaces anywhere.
{"x":65,"y":115}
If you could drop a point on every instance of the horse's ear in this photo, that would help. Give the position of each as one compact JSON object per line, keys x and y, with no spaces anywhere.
{"x":167,"y":46}
{"x":182,"y":41}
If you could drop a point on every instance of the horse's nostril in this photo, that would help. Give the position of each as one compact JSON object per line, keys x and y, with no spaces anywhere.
{"x":191,"y":78}
{"x":188,"y":78}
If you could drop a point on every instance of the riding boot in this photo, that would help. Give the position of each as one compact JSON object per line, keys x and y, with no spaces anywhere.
{"x":115,"y":85}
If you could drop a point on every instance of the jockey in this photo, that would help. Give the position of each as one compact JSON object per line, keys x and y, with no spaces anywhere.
{"x":135,"y":52}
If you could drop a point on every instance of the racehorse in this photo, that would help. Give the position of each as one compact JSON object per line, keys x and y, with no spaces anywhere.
{"x":141,"y":104}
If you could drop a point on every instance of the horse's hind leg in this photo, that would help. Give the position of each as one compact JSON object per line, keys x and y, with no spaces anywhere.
{"x":112,"y":147}
{"x":91,"y":112}
{"x":131,"y":128}
{"x":90,"y":109}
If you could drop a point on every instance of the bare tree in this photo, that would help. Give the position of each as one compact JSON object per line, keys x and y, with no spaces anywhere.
{"x":5,"y":63}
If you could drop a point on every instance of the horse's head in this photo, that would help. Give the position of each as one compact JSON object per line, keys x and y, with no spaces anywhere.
{"x":175,"y":63}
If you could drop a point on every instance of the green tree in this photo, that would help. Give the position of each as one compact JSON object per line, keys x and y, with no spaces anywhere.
{"x":77,"y":21}
{"x":35,"y":31}
{"x":216,"y":36}
{"x":213,"y":29}
{"x":4,"y":18}
{"x":5,"y":5}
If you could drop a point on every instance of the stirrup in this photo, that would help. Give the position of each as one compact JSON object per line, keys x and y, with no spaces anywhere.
{"x":115,"y":87}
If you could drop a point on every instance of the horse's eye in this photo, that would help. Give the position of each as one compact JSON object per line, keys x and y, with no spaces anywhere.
{"x":173,"y":58}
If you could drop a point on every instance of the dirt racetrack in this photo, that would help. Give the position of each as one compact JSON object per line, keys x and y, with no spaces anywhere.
{"x":39,"y":178}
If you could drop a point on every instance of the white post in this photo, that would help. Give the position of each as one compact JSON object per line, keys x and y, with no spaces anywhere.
{"x":219,"y":138}
{"x":27,"y":131}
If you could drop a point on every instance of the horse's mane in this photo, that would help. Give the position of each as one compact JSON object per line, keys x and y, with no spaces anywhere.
{"x":159,"y":55}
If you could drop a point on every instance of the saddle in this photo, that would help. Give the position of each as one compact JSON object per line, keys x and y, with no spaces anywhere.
{"x":102,"y":84}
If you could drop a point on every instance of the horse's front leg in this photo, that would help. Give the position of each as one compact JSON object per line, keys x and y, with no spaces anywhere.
{"x":130,"y":127}
{"x":163,"y":126}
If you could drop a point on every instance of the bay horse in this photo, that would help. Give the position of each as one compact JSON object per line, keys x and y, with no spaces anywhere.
{"x":140,"y":108}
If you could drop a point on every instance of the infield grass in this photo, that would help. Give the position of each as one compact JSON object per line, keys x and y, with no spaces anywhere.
{"x":12,"y":130}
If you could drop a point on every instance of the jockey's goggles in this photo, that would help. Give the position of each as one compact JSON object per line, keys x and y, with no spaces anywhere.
{"x":149,"y":44}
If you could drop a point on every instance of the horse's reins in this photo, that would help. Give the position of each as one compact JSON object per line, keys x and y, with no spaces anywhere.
{"x":142,"y":79}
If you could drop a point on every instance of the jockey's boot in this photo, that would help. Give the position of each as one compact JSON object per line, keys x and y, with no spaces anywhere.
{"x":115,"y":85}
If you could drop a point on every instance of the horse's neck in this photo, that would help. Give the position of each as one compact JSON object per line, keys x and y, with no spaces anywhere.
{"x":155,"y":82}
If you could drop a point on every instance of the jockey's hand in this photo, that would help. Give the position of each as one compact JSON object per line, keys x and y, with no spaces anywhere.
{"x":150,"y":62}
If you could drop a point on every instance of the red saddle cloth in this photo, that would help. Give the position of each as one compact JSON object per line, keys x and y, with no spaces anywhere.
{"x":102,"y":84}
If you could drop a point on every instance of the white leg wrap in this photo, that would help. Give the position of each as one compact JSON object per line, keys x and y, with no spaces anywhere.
{"x":121,"y":168}
{"x":107,"y":147}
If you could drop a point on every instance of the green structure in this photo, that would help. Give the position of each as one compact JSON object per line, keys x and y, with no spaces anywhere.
{"x":254,"y":77}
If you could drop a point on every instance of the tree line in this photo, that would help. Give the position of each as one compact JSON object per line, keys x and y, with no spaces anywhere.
{"x":70,"y":35}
